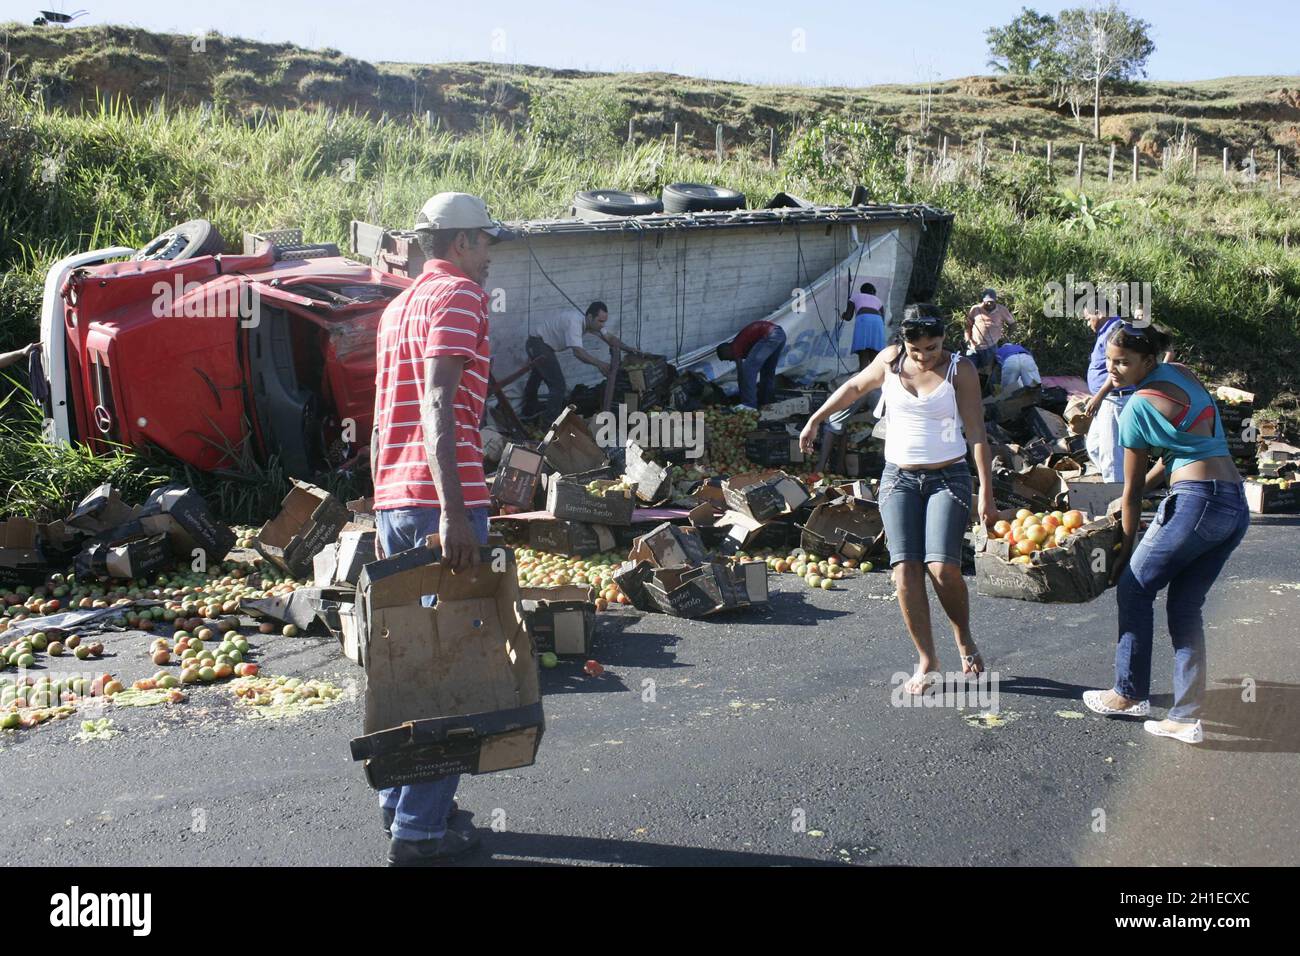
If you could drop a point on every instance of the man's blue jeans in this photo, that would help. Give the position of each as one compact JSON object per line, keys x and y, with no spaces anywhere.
{"x":1195,"y":529}
{"x":420,"y":810}
{"x":757,"y":370}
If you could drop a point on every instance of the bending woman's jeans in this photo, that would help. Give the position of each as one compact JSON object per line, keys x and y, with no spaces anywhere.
{"x":1195,"y":529}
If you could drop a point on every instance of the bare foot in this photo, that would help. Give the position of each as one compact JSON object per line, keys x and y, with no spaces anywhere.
{"x":926,"y":670}
{"x":971,"y":661}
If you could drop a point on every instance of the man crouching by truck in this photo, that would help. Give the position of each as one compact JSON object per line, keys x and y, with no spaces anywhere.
{"x":427,"y":458}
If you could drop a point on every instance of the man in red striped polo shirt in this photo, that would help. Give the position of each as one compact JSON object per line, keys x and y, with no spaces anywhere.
{"x":426,"y":456}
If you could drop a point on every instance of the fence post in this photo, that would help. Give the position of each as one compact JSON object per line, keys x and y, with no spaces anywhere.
{"x":1015,"y":144}
{"x":943,"y":156}
{"x":1225,"y":160}
{"x":677,"y":135}
{"x":1079,"y":172}
{"x":717,"y":136}
{"x":771,"y":147}
{"x":1110,"y":167}
{"x":908,"y":168}
{"x":1164,"y":157}
{"x":630,"y":128}
{"x":1279,"y":170}
{"x":1196,"y":160}
{"x":1049,"y":152}
{"x":1135,"y":163}
{"x":979,"y":159}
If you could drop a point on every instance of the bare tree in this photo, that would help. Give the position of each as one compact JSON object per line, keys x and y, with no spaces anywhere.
{"x":1100,"y":44}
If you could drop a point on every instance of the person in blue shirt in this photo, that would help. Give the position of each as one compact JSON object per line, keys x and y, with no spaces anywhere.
{"x":1108,"y":402}
{"x":1018,"y":368}
{"x":1169,"y":416}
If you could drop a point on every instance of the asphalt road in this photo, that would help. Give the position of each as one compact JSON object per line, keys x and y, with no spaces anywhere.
{"x":754,"y":738}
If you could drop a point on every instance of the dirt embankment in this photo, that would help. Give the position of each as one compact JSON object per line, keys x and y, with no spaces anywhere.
{"x":74,"y":67}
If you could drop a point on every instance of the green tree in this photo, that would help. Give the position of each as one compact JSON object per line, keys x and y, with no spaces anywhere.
{"x":1025,"y":46}
{"x":1101,"y":44}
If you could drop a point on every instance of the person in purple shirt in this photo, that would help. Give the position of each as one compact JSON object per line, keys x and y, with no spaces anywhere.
{"x":1019,"y":370}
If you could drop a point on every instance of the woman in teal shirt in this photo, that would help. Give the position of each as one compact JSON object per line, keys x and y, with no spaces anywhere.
{"x":1171,"y":417}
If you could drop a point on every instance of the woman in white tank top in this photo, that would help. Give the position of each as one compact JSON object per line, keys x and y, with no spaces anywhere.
{"x":933,"y":410}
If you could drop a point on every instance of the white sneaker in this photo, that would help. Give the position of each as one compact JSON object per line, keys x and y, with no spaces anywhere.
{"x":1194,"y":734}
{"x":1093,"y":700}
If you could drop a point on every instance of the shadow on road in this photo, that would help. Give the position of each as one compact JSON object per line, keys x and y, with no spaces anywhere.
{"x":783,"y":608}
{"x":536,"y":849}
{"x":1268,"y":723}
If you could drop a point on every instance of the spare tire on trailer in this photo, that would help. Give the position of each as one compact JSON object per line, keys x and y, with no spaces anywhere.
{"x":697,"y":197}
{"x":615,"y":202}
{"x":189,"y":240}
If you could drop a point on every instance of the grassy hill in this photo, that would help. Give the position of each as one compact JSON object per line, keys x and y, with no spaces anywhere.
{"x":1222,"y":255}
{"x":78,"y":65}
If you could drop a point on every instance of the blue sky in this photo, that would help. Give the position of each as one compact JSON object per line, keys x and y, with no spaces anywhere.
{"x":759,"y":41}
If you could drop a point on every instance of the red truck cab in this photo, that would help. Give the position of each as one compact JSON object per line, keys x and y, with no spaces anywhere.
{"x":219,"y":360}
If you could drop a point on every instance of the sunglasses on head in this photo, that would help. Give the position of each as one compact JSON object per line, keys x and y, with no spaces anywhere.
{"x":924,"y":327}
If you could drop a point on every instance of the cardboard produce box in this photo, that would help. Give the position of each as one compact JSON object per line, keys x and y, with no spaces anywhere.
{"x":669,"y":545}
{"x":766,"y":447}
{"x":562,"y":627}
{"x":302,"y":607}
{"x":1091,"y":495}
{"x":340,"y":563}
{"x":127,"y":559}
{"x":195,"y":526}
{"x":350,"y":637}
{"x":572,"y":500}
{"x":1268,"y":499}
{"x":1047,"y":425}
{"x":452,"y":688}
{"x":570,"y":537}
{"x":570,"y":448}
{"x":516,"y":480}
{"x":845,"y":527}
{"x":762,"y":495}
{"x":653,"y":482}
{"x":744,"y":532}
{"x":310,"y":518}
{"x":101,"y":510}
{"x":559,"y":592}
{"x":1072,"y":574}
{"x":631,"y":577}
{"x":21,"y":559}
{"x":707,"y":588}
{"x":1009,"y":407}
{"x":798,"y":406}
{"x":1037,"y":488}
{"x":645,"y":377}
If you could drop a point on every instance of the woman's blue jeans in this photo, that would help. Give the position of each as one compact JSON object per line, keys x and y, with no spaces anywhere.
{"x":420,"y":809}
{"x":1195,"y":530}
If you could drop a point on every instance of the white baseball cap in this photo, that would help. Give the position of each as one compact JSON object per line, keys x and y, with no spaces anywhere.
{"x":459,"y":211}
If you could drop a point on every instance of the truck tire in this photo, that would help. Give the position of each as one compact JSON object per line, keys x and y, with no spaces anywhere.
{"x":189,"y":240}
{"x":697,"y":197}
{"x":614,"y":202}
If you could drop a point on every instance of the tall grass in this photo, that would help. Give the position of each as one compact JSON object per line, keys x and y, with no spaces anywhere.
{"x":1216,"y":253}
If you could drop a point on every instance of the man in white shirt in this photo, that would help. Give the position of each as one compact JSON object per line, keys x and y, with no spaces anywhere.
{"x":558,"y":334}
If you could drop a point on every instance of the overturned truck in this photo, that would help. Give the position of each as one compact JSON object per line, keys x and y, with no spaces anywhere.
{"x":225,"y":359}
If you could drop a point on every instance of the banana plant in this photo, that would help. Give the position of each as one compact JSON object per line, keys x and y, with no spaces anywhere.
{"x":1079,"y":210}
